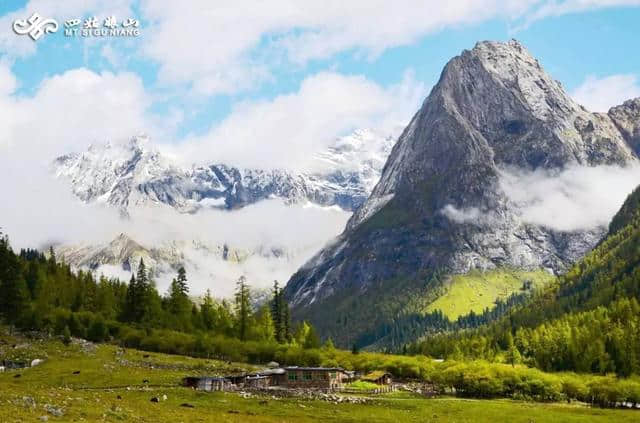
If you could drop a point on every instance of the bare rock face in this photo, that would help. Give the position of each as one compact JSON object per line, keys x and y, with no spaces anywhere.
{"x":627,"y":119}
{"x":439,"y":205}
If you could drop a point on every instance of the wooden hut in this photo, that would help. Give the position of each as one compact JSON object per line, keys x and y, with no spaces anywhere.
{"x":378,"y":377}
{"x":327,"y":378}
{"x":206,"y":383}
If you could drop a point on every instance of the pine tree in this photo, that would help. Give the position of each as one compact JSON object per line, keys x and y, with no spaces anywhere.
{"x":206,"y":309}
{"x":142,"y":292}
{"x":328,"y":345}
{"x":243,"y":307}
{"x":265,"y":329}
{"x":355,"y":349}
{"x":131,"y":301}
{"x":311,"y":340}
{"x":66,"y":335}
{"x":181,"y":282}
{"x":513,"y":355}
{"x":179,"y":303}
{"x":286,"y":319}
{"x":13,"y":288}
{"x":52,"y":260}
{"x":277,"y":314}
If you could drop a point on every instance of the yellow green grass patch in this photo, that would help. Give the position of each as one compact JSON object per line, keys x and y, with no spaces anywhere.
{"x":478,"y":290}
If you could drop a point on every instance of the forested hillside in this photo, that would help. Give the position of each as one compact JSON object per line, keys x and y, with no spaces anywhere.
{"x":588,"y":320}
{"x":40,"y":293}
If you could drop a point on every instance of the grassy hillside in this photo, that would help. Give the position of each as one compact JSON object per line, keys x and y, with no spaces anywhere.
{"x":478,"y":290}
{"x":109,"y":387}
{"x":587,"y":320}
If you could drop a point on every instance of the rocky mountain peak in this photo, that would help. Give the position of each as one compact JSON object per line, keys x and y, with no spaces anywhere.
{"x":440,"y":206}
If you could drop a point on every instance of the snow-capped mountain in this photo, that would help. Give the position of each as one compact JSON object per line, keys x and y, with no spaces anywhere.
{"x":143,"y":184}
{"x":134,"y":174}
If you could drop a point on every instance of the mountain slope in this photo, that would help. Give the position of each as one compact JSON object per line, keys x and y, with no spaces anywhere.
{"x":440,"y":206}
{"x":586,"y":321}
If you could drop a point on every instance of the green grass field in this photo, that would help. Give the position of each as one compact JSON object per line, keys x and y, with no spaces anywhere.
{"x":477,"y":290}
{"x":109,"y":387}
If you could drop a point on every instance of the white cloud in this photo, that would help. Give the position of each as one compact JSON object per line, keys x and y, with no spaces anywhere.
{"x":268,"y":225}
{"x":576,"y":198}
{"x":469,"y":215}
{"x":225,"y":47}
{"x":600,"y":94}
{"x":66,"y":113}
{"x":555,"y":8}
{"x":8,"y":81}
{"x":285,"y":132}
{"x":71,"y":110}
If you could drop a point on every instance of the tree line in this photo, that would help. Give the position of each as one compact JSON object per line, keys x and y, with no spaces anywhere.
{"x":41,"y":293}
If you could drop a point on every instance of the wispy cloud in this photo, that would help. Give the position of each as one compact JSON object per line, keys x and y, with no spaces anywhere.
{"x":577,"y":198}
{"x":600,"y":94}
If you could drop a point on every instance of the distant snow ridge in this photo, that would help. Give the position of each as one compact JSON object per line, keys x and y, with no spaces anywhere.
{"x":138,"y":180}
{"x":134,"y":174}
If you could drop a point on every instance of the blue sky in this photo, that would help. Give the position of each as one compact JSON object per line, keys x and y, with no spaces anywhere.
{"x":197,"y":76}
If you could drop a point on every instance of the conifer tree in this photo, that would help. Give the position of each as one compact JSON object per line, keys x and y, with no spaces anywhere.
{"x":277,"y":314}
{"x":179,"y":303}
{"x":328,"y":345}
{"x":13,"y":288}
{"x":131,"y":301}
{"x":286,"y":319}
{"x":242,"y":307}
{"x":52,"y":260}
{"x":206,"y":309}
{"x":311,"y":340}
{"x":142,"y":292}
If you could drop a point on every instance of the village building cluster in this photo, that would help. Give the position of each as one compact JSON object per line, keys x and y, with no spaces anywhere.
{"x":325,"y":379}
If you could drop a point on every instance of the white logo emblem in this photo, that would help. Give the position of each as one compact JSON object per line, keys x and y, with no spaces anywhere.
{"x":35,"y":26}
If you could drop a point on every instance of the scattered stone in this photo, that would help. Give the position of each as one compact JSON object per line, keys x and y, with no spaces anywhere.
{"x":28,"y":402}
{"x":187,"y":405}
{"x":53,"y":410}
{"x":145,"y":381}
{"x":155,"y":399}
{"x":164,"y":397}
{"x":44,"y":418}
{"x":36,"y":362}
